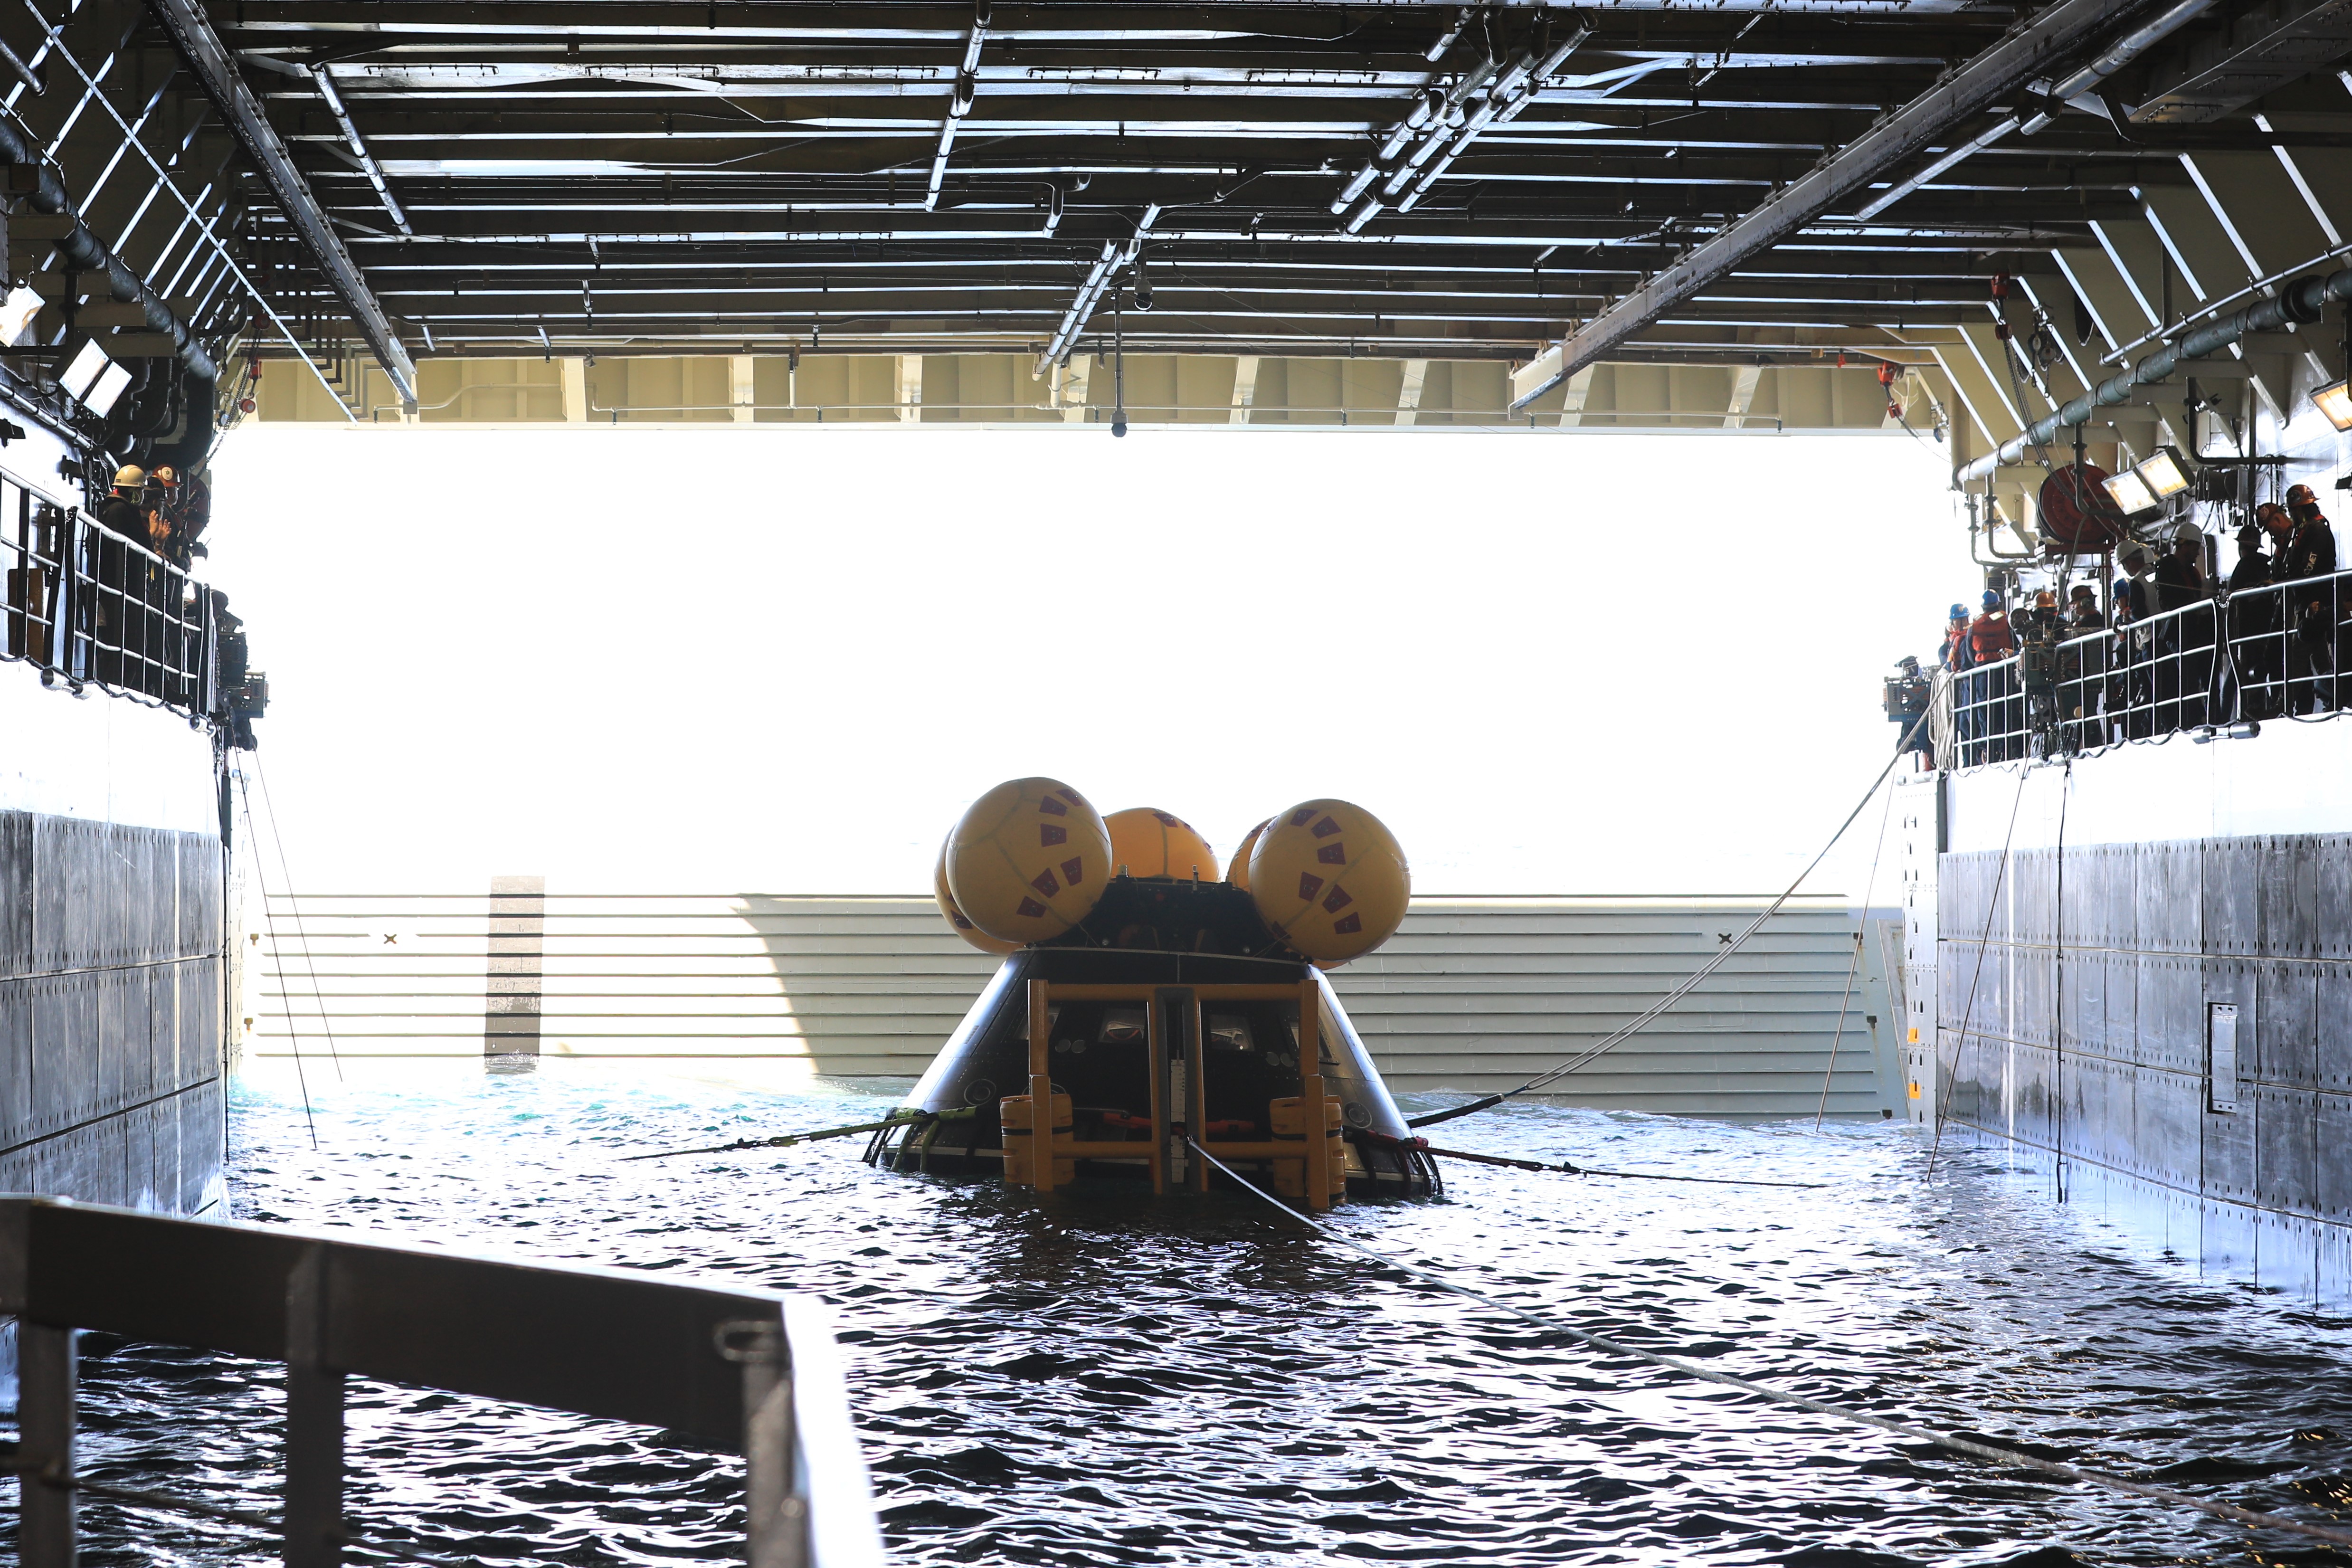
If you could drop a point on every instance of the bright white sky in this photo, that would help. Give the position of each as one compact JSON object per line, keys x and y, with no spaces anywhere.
{"x":720,"y":661}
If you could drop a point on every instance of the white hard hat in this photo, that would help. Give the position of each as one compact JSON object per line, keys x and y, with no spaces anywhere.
{"x":129,"y":476}
{"x":2187,"y":532}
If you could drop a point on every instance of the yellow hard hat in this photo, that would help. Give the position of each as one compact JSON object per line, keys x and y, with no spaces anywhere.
{"x":129,"y":476}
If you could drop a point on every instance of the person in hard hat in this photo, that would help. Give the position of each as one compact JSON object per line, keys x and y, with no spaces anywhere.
{"x":1956,"y":638}
{"x":2184,"y":640}
{"x":2180,"y":575}
{"x":121,"y":656}
{"x":2255,"y":626}
{"x":1997,"y":731}
{"x":2132,"y":603}
{"x":2082,"y":667}
{"x":2312,"y":607}
{"x":124,"y":510}
{"x":186,"y":505}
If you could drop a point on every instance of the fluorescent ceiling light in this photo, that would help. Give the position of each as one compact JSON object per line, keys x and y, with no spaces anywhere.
{"x":85,"y":370}
{"x":2336,"y":402}
{"x":100,"y":398}
{"x":2130,"y":492}
{"x":2164,"y":473}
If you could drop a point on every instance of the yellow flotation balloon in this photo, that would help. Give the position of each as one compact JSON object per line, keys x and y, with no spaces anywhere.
{"x":1329,"y":879}
{"x":956,"y":917}
{"x":1238,"y":872}
{"x":1151,"y":843}
{"x":1029,"y":861}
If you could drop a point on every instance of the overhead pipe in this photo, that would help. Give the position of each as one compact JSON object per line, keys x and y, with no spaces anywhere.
{"x":2125,"y":51}
{"x":86,"y":253}
{"x":1116,"y":254}
{"x":2299,"y":303}
{"x":1503,"y":105}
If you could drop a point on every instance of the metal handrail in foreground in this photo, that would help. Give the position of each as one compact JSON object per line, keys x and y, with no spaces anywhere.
{"x":750,"y":1372}
{"x":2276,"y":651}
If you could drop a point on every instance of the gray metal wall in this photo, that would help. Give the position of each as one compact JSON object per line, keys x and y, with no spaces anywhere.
{"x":2076,"y":1003}
{"x":111,"y":1007}
{"x":1470,"y":994}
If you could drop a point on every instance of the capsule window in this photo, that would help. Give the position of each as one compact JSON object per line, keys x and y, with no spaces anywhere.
{"x":1230,"y":1030}
{"x":1122,"y":1027}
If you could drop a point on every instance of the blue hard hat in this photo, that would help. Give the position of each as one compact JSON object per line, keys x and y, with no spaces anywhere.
{"x":1959,"y":612}
{"x":1992,"y":599}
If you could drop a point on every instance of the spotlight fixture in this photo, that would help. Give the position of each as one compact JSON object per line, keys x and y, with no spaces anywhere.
{"x":2336,"y":402}
{"x":2130,"y":492}
{"x":2165,"y":473}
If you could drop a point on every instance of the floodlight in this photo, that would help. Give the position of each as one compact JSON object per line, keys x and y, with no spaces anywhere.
{"x":2130,"y":492}
{"x":99,"y":398}
{"x":2336,"y":402}
{"x":2164,"y":472}
{"x":87,"y":367}
{"x":17,"y":315}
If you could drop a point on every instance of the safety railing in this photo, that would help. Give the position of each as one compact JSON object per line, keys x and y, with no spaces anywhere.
{"x":2275,"y":651}
{"x":1178,"y":1098}
{"x":750,"y":1372}
{"x":86,"y":606}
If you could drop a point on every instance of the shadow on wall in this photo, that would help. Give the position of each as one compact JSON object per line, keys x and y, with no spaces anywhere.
{"x":872,"y":985}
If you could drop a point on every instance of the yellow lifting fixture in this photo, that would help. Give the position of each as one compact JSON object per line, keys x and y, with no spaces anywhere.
{"x":1179,"y":1099}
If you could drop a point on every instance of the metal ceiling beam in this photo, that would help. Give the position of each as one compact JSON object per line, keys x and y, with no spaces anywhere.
{"x":202,"y":49}
{"x":2034,"y":47}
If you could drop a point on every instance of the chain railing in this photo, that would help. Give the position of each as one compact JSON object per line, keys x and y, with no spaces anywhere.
{"x":88,"y":607}
{"x":2272,"y":652}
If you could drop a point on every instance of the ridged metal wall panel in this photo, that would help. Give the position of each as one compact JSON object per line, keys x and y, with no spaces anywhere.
{"x":1472,"y":993}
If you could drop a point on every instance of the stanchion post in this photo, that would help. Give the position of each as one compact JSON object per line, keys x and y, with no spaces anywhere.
{"x":1041,"y":1086}
{"x":1310,"y":1091}
{"x":314,"y":1422}
{"x":1155,"y":1057}
{"x":775,"y":1521}
{"x":45,"y":1443}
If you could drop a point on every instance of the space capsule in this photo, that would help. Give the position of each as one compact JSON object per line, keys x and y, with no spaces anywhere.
{"x":1147,"y":1014}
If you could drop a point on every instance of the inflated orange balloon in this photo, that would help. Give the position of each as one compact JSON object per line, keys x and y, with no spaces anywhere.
{"x":1330,"y":879}
{"x":1238,"y":872}
{"x":1029,"y":861}
{"x":956,"y":917}
{"x":1148,"y":842}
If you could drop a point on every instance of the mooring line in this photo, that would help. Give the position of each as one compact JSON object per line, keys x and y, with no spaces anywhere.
{"x":2248,"y":1517}
{"x":1567,"y":1168}
{"x":1657,"y":1009}
{"x":1984,"y":945}
{"x":270,"y":919}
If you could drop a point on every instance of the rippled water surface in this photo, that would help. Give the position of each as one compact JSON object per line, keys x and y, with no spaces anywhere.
{"x":1101,"y":1380}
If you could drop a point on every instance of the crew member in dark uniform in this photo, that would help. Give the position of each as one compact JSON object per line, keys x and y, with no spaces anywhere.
{"x":2082,"y":667}
{"x":2252,"y":623}
{"x":121,"y":619}
{"x":2308,"y":552}
{"x":2184,"y":640}
{"x":2127,"y":691}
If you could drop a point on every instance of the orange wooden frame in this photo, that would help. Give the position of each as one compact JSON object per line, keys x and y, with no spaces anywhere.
{"x":1055,"y":1145}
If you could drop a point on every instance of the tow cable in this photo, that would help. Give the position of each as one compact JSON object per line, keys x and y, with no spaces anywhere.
{"x":2248,"y":1517}
{"x":1424,"y":1145}
{"x":896,"y":1119}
